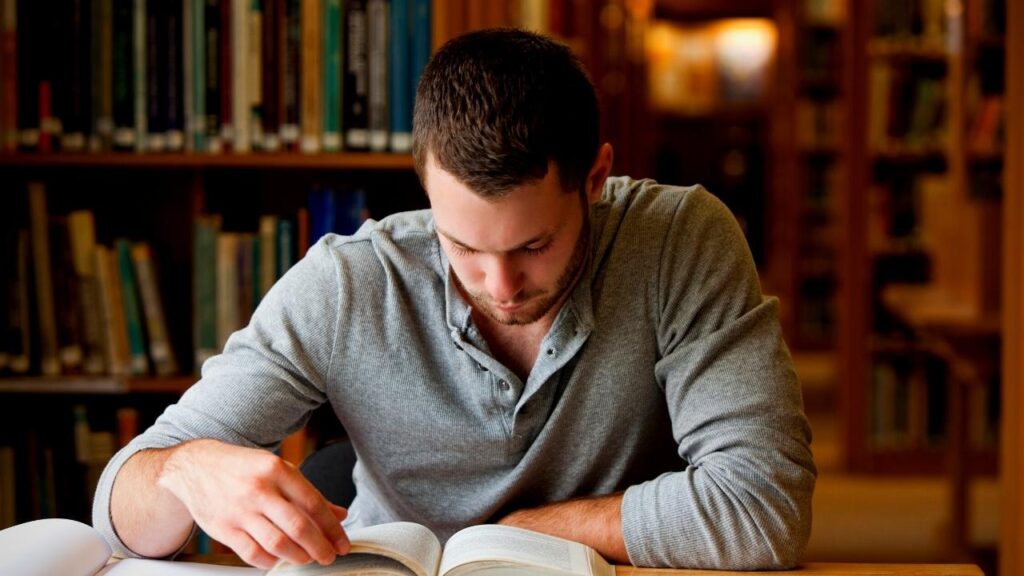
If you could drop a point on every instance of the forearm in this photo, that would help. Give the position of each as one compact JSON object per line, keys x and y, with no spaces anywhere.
{"x":596,"y":522}
{"x":147,"y":517}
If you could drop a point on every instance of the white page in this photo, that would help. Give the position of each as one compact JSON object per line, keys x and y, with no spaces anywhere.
{"x":356,"y":563}
{"x":52,"y":546}
{"x":500,"y":547}
{"x":412,"y":545}
{"x":137,"y":567}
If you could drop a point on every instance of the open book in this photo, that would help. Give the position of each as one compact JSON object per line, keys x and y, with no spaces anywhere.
{"x":58,"y":546}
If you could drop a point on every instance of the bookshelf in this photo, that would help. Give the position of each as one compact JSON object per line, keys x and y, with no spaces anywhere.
{"x":182,"y":169}
{"x":919,"y":316}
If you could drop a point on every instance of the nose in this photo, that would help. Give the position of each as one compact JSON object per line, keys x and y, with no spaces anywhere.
{"x":504,"y":280}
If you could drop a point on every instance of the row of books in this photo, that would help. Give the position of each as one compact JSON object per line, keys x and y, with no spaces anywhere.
{"x":924,"y":20}
{"x":907,"y":108}
{"x":233,"y":270}
{"x":211,"y":75}
{"x":52,"y":470}
{"x":818,"y":123}
{"x":76,"y":306}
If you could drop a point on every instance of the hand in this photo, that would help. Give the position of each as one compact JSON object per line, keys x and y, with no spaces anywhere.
{"x":257,"y":504}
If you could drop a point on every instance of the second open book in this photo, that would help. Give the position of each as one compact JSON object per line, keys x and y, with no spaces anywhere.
{"x":407,"y":549}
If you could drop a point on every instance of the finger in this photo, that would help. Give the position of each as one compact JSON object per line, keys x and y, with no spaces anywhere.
{"x":300,"y":529}
{"x":274,"y":540}
{"x":249,"y":550}
{"x":296,"y":489}
{"x":339,"y":512}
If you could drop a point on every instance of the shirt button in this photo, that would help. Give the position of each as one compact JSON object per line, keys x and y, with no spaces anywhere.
{"x":551,"y":351}
{"x":504,"y":385}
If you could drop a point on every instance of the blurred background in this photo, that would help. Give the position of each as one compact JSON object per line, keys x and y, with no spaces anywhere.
{"x":164,"y":161}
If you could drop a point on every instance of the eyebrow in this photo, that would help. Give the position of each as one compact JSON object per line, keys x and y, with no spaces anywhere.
{"x":542,"y":237}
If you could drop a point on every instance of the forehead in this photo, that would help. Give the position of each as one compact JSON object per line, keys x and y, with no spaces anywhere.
{"x":523,"y":214}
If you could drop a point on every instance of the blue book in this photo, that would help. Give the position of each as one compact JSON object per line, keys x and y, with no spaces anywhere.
{"x":399,"y":77}
{"x":419,"y":44}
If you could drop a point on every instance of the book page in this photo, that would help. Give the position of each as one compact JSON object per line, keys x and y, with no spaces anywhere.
{"x":492,"y":549}
{"x":401,"y":548}
{"x":52,"y":546}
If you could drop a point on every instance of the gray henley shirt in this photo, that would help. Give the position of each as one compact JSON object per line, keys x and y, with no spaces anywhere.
{"x":664,"y":375}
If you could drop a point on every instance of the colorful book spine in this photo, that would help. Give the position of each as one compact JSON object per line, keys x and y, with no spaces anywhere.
{"x":420,"y":45}
{"x":227,"y":115}
{"x":227,"y":278}
{"x":160,"y":351}
{"x":82,"y":230}
{"x":156,"y":129}
{"x":205,"y":288}
{"x":254,"y":72}
{"x":9,"y":76}
{"x":139,"y":74}
{"x":268,"y":254}
{"x":291,"y":62}
{"x":332,"y":75}
{"x":48,"y":348}
{"x":123,"y":74}
{"x":240,"y":75}
{"x":285,"y":246}
{"x":379,"y":32}
{"x":115,"y":338}
{"x":197,"y":45}
{"x":356,"y":82}
{"x":311,"y":76}
{"x":139,"y":362}
{"x":400,"y":77}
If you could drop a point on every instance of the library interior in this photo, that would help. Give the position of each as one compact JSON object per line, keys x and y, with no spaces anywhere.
{"x":163,"y":162}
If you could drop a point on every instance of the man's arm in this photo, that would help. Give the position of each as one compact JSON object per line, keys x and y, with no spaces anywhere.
{"x":596,"y":522}
{"x":252,"y":501}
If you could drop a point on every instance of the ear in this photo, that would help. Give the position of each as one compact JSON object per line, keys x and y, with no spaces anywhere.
{"x":599,"y":173}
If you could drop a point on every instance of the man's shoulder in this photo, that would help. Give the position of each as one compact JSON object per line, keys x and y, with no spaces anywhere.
{"x":405,"y":238}
{"x":628,"y":194}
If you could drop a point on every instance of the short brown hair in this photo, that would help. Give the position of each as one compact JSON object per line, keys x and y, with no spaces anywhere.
{"x":494,"y":106}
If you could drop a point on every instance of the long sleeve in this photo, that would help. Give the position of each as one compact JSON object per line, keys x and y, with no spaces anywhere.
{"x":743,"y":500}
{"x":264,"y":385}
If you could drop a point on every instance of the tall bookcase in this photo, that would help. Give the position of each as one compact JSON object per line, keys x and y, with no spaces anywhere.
{"x":159,"y":198}
{"x":919,"y":315}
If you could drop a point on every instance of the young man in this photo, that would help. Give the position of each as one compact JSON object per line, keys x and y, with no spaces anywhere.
{"x":546,"y":347}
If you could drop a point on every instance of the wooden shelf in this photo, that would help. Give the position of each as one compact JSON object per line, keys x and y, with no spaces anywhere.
{"x":907,"y":49}
{"x":275,"y":161}
{"x":96,"y":385}
{"x":927,"y":308}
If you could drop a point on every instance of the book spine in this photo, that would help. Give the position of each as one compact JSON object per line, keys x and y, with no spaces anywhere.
{"x":66,"y":295}
{"x":115,"y":337}
{"x":254,"y":72}
{"x":8,"y":488}
{"x":139,"y":73}
{"x":186,"y":73}
{"x":160,"y":351}
{"x":302,"y":232}
{"x":291,"y":42}
{"x":400,"y":77}
{"x":211,"y":54}
{"x":332,"y":75}
{"x":172,"y":70}
{"x":356,"y":82}
{"x":197,"y":44}
{"x":205,"y":288}
{"x":227,"y":131}
{"x":420,"y":48}
{"x":268,"y":254}
{"x":285,"y":246}
{"x":9,"y":76}
{"x":227,"y":287}
{"x":240,"y":75}
{"x":82,"y":230}
{"x":27,"y":70}
{"x":21,"y":339}
{"x":377,"y":20}
{"x":312,"y":72}
{"x":49,"y":361}
{"x":245,"y":275}
{"x":133,"y":319}
{"x":78,"y":86}
{"x":270,"y":75}
{"x":122,"y":75}
{"x":156,"y":137}
{"x":102,"y":80}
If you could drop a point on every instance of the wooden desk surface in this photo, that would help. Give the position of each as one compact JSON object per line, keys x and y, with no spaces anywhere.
{"x":826,"y":569}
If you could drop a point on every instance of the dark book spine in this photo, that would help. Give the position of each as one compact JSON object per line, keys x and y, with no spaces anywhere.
{"x":227,"y":132}
{"x":172,"y":69}
{"x":28,"y":76}
{"x":291,"y":42}
{"x":270,"y":76}
{"x":102,"y":128}
{"x":356,"y":82}
{"x":123,"y":75}
{"x":77,"y":90}
{"x":212,"y":48}
{"x":156,"y":137}
{"x":378,"y":20}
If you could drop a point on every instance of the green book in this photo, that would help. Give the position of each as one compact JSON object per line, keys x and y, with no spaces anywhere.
{"x":332,"y":75}
{"x":132,"y":316}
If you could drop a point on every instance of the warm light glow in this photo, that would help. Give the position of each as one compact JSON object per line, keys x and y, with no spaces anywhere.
{"x":745,"y":45}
